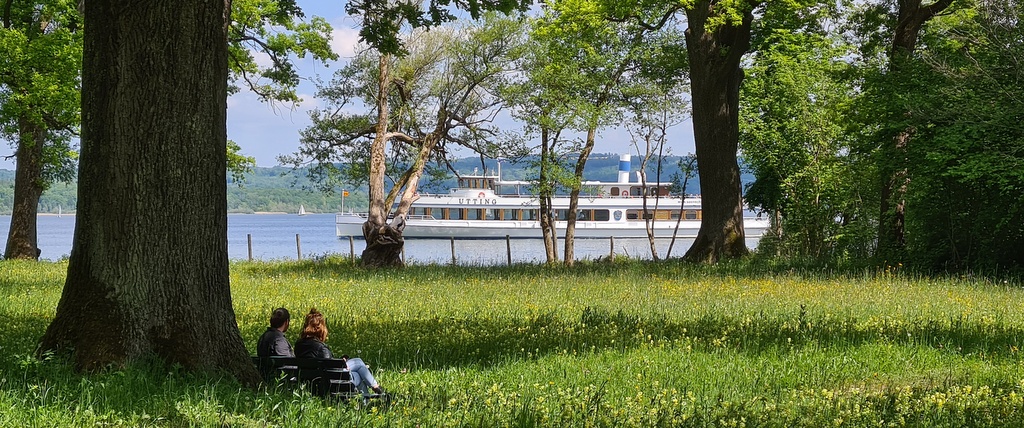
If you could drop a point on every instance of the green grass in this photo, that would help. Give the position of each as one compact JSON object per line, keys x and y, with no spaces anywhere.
{"x":621,"y":344}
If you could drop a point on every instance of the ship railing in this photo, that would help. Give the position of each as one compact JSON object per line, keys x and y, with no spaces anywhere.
{"x":390,"y":216}
{"x":353,"y":214}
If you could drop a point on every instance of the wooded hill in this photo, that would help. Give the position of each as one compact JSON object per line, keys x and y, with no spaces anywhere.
{"x":280,"y":189}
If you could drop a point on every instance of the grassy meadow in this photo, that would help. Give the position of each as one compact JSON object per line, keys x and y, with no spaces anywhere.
{"x":622,"y":344}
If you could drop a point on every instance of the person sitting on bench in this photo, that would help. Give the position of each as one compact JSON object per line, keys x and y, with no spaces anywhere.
{"x":311,"y":345}
{"x":273,"y":343}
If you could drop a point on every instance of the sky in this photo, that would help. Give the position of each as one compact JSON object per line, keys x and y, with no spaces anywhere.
{"x":265,"y":131}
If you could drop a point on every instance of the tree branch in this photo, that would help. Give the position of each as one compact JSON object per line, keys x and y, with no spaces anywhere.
{"x":934,"y":8}
{"x":650,"y":27}
{"x":266,"y":48}
{"x":252,"y":85}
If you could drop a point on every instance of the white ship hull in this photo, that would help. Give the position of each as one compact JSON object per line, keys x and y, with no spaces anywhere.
{"x":352,"y":225}
{"x":427,"y":226}
{"x":487,"y":207}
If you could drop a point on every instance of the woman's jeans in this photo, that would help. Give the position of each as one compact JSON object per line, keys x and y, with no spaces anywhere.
{"x":361,"y":376}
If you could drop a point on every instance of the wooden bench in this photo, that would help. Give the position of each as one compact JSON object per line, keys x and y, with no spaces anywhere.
{"x":323,"y":377}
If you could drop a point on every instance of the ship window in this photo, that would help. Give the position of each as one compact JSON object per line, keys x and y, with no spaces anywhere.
{"x":601,"y":215}
{"x":632,"y":215}
{"x":508,"y":215}
{"x":585,"y":215}
{"x":561,"y":215}
{"x":493,"y":214}
{"x":455,"y":214}
{"x":473,"y":214}
{"x":529,"y":214}
{"x":675,"y":215}
{"x":691,"y":215}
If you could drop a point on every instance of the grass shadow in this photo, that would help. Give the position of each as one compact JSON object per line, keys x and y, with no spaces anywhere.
{"x":445,"y":342}
{"x":750,"y":268}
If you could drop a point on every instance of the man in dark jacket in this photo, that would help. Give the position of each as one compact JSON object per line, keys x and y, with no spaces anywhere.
{"x":273,"y":343}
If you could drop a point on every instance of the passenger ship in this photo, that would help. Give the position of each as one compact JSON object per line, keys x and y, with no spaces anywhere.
{"x":487,"y":207}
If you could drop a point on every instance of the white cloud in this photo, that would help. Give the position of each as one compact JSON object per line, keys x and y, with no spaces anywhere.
{"x":261,"y":58}
{"x":344,"y":40}
{"x":309,"y":102}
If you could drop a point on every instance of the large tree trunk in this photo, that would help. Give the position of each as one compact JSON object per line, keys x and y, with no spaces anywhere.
{"x":912,"y":16}
{"x":28,"y":187}
{"x":384,"y":244}
{"x":384,"y":241}
{"x":148,"y":273}
{"x":715,"y":77}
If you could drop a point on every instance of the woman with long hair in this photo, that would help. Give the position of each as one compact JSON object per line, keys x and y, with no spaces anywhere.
{"x":312,"y":344}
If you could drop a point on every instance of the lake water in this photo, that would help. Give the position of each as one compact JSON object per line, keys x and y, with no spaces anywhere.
{"x":273,"y":238}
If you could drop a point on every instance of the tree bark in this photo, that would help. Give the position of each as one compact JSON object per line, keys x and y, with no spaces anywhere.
{"x":148,"y":274}
{"x":574,"y":194}
{"x":911,"y":17}
{"x":649,"y":219}
{"x":545,"y":215}
{"x":384,"y":244}
{"x":28,"y":187}
{"x":384,"y":241}
{"x":715,"y":77}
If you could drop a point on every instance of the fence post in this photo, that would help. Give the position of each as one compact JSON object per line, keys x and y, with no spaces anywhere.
{"x":453,"y":251}
{"x":508,"y":248}
{"x":298,"y":247}
{"x":248,"y":237}
{"x":611,"y":247}
{"x":351,"y":249}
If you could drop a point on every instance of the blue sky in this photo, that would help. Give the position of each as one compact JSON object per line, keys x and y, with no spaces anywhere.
{"x":265,"y":131}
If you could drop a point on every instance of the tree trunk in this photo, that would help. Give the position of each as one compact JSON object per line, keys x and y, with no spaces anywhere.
{"x":687,"y":170}
{"x":384,"y":242}
{"x":649,"y":219}
{"x":148,"y":273}
{"x":574,"y":194}
{"x":28,"y":187}
{"x":715,"y":77}
{"x":545,"y":215}
{"x":912,"y":16}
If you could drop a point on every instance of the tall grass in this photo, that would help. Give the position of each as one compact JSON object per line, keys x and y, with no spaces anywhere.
{"x":617,"y":344}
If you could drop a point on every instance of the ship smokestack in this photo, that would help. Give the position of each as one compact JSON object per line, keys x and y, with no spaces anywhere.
{"x":624,"y":168}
